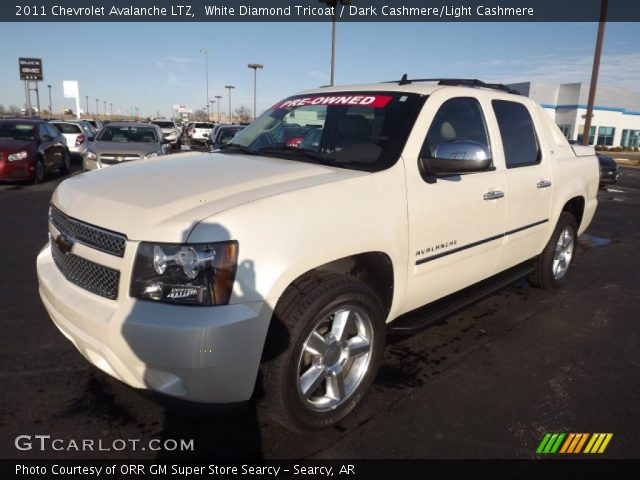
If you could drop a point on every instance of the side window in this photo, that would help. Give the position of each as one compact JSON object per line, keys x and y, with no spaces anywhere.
{"x":42,"y":131}
{"x":518,"y":134}
{"x":457,"y":119}
{"x":51,"y":130}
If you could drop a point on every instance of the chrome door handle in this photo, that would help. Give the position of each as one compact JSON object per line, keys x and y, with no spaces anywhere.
{"x":493,"y":195}
{"x":543,"y":184}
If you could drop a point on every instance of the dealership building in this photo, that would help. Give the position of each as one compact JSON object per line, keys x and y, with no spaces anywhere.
{"x":616,"y":112}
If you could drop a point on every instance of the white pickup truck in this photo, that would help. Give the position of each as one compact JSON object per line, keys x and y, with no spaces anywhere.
{"x":330,"y":219}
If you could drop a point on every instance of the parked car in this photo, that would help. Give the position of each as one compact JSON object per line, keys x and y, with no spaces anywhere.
{"x":200,"y":132}
{"x":120,"y":142}
{"x":78,"y":134}
{"x":97,"y":125}
{"x":222,"y":134}
{"x":29,"y":149}
{"x":608,"y":170}
{"x":170,"y":131}
{"x":194,"y":275}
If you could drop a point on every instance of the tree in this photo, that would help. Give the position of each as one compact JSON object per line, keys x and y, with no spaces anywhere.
{"x":243,"y":114}
{"x":13,"y":109}
{"x":1,"y":108}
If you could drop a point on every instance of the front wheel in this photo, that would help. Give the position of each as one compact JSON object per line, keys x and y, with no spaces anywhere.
{"x":38,"y":172}
{"x":555,"y":260}
{"x":66,"y":163}
{"x":335,"y":332}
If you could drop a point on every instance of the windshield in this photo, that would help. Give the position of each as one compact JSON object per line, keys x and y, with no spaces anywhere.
{"x":17,"y":131}
{"x":357,"y":130}
{"x":128,"y":134}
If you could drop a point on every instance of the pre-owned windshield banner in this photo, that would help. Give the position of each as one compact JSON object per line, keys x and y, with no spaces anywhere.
{"x":317,"y":11}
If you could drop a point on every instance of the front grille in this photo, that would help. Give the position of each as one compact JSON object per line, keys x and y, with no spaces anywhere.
{"x":95,"y":278}
{"x":87,"y":234}
{"x":115,"y":158}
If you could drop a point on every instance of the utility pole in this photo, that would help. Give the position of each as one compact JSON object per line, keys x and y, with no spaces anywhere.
{"x":206,"y":52}
{"x":230,"y":87}
{"x":218,"y":98}
{"x":255,"y":67}
{"x":111,"y":111}
{"x":97,"y":109}
{"x":87,"y":99}
{"x":50,"y":108}
{"x":334,"y":5}
{"x":594,"y":72}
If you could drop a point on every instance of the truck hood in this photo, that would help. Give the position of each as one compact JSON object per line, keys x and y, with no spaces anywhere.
{"x":162,"y":199}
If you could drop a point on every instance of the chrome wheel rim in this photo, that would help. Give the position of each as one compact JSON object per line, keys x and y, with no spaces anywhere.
{"x":335,"y":358}
{"x":563,"y":253}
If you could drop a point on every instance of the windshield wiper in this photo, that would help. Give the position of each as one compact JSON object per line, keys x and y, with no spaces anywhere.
{"x":296,"y":152}
{"x":238,"y":147}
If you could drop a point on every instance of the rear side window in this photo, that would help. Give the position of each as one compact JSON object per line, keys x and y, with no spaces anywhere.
{"x":204,"y":125}
{"x":518,"y":134}
{"x":67,"y":127}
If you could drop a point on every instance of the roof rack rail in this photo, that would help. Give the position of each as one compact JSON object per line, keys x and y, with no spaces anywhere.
{"x":462,"y":82}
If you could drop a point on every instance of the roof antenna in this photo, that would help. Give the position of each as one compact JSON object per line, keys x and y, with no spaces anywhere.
{"x":404,"y":80}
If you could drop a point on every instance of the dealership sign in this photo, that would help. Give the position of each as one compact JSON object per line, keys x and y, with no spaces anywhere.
{"x":30,"y":68}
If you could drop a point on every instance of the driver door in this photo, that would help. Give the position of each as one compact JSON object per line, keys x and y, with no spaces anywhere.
{"x":456,"y":222}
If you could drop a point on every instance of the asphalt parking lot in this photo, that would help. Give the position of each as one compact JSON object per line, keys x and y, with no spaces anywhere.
{"x":488,"y":383}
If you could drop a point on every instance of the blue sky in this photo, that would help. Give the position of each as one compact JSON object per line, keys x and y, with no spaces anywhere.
{"x":154,"y":65}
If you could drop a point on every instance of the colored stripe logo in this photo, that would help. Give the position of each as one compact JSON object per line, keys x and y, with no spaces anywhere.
{"x":574,"y":443}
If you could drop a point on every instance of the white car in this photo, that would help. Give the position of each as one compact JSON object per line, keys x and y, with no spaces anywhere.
{"x":328,"y":220}
{"x":170,"y":131}
{"x":200,"y":132}
{"x":78,"y":133}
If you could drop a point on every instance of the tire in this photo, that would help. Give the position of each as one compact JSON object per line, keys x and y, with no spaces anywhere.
{"x":554,"y":262}
{"x":65,"y":166}
{"x":306,"y":354}
{"x":38,"y":172}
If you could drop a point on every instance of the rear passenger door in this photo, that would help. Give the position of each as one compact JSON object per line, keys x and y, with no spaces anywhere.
{"x":528,"y":177}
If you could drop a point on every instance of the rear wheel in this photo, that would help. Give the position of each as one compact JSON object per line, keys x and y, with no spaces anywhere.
{"x":557,"y":257}
{"x":335,"y":332}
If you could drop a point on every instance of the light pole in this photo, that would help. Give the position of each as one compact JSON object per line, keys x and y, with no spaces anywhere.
{"x":105,"y":108}
{"x":50,"y":109}
{"x":229,"y":87}
{"x":136,"y":109}
{"x":334,"y":5}
{"x":97,"y":109}
{"x":209,"y":117}
{"x":111,"y":111}
{"x":255,"y":67}
{"x":87,"y":99}
{"x":218,"y":98}
{"x":206,"y":52}
{"x":594,"y":74}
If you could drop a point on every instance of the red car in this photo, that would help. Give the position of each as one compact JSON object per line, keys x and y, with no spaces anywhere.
{"x":30,"y":148}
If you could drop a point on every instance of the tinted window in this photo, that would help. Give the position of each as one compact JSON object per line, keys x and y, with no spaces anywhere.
{"x":518,"y":133}
{"x":17,"y":131}
{"x":51,"y":130}
{"x":204,"y":125}
{"x":42,"y":131}
{"x":457,"y":119}
{"x":357,"y":130}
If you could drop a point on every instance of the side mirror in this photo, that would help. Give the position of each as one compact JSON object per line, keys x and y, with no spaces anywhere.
{"x":91,"y":139}
{"x":457,"y":157}
{"x":47,"y":138}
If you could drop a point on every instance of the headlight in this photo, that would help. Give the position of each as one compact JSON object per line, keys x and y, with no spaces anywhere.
{"x":151,"y":155}
{"x":17,"y":156}
{"x":89,"y":155}
{"x":193,"y":274}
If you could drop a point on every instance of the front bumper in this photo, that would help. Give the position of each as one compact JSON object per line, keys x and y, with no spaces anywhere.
{"x":608,"y":177}
{"x":200,"y":354}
